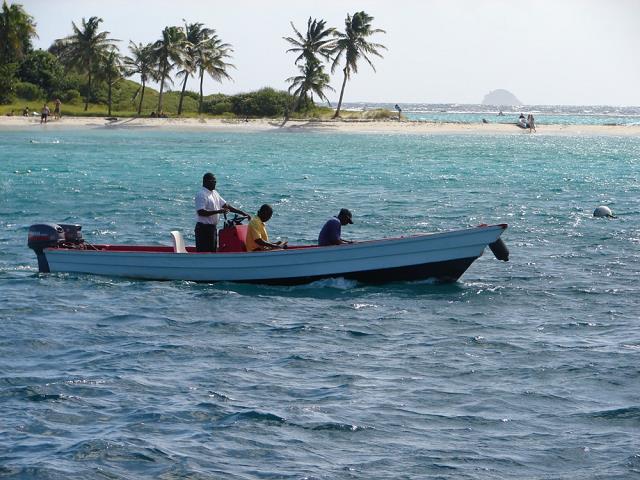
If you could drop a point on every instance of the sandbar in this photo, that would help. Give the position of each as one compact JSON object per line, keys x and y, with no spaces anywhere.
{"x":331,"y":126}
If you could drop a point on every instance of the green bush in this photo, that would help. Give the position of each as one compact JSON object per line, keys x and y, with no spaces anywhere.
{"x":216,"y":104}
{"x":44,"y":70}
{"x":220,"y":108}
{"x":29,"y":91}
{"x":379,"y":114}
{"x":71,"y":96}
{"x":71,"y":81}
{"x":8,"y":82}
{"x":193,"y":95}
{"x":266,"y":102}
{"x":216,"y":108}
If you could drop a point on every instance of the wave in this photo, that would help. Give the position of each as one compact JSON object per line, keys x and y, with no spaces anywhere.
{"x":250,"y":416}
{"x":339,"y":283}
{"x":115,"y":451}
{"x":625,"y":413}
{"x":33,"y":394}
{"x":45,"y":142}
{"x":220,"y":396}
{"x":339,"y":427}
{"x":584,"y":110}
{"x":266,"y":417}
{"x":357,"y":333}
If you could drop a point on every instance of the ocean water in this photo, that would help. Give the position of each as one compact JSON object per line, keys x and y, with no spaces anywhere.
{"x":529,"y":369}
{"x":544,"y":114}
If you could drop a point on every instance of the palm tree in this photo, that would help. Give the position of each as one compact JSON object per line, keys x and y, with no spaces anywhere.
{"x":353,"y":44}
{"x":211,"y":56}
{"x":16,"y":30}
{"x":111,"y":69}
{"x":317,"y":41}
{"x":82,"y":50}
{"x":312,"y":79}
{"x":140,"y":63}
{"x":168,"y":51}
{"x":196,"y":37}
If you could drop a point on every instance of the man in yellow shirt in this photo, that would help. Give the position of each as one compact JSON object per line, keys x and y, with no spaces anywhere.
{"x":257,"y":237}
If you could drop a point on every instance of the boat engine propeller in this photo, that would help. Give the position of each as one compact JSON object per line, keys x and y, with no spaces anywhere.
{"x":500,"y":250}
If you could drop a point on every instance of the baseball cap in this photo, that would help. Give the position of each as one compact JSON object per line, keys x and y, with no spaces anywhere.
{"x":346,"y":214}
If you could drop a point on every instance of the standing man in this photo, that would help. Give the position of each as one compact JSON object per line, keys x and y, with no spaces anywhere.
{"x":531,"y":123}
{"x":56,"y":109}
{"x":209,"y":206}
{"x":44,"y":113}
{"x":330,"y":233}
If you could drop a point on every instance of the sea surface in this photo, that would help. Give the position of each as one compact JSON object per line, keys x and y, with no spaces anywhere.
{"x":522,"y":370}
{"x":543,"y":114}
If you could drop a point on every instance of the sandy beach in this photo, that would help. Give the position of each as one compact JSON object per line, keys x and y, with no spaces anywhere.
{"x":340,"y":126}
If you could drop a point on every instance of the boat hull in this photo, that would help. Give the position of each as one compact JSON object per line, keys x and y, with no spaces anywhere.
{"x":441,"y":256}
{"x":444,"y":272}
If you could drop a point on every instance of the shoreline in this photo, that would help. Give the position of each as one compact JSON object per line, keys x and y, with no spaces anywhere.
{"x":329,"y":126}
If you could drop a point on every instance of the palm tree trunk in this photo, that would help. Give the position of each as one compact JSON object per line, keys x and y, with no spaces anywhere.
{"x":184,"y":86}
{"x":163,"y":76}
{"x":109,"y":97}
{"x":294,"y":108}
{"x":298,"y":101}
{"x":141,"y":98}
{"x":200,"y":101}
{"x":86,"y":102}
{"x":344,"y":83}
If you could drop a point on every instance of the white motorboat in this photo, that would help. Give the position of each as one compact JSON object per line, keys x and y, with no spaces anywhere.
{"x":442,"y":256}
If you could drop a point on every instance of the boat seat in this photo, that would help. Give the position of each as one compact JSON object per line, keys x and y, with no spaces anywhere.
{"x":178,"y":242}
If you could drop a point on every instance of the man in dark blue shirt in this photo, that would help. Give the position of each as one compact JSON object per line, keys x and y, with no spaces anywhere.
{"x":330,"y":233}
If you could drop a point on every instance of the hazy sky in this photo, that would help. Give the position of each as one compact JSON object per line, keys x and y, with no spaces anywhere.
{"x":581,"y":52}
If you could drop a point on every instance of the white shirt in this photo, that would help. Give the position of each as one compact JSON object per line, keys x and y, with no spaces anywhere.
{"x":208,"y":200}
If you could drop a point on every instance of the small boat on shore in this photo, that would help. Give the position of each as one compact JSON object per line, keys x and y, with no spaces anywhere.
{"x":441,"y":256}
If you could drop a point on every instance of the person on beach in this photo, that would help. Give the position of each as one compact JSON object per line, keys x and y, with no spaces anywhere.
{"x":257,"y":237}
{"x":522,"y":122}
{"x":56,"y":109}
{"x":399,"y":110}
{"x":531,"y":123}
{"x":332,"y":229}
{"x":25,"y":112}
{"x":44,"y":113}
{"x":209,"y":206}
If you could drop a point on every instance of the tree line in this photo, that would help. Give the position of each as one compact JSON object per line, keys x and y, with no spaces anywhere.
{"x":89,"y":61}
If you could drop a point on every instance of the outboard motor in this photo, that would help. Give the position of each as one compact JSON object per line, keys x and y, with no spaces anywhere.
{"x":72,"y":233}
{"x":41,"y":236}
{"x":500,"y":250}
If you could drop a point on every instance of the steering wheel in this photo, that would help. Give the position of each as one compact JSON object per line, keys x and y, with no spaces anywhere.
{"x":236,"y":220}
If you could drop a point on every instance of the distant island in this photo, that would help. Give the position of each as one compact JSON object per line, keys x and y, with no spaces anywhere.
{"x":500,"y":97}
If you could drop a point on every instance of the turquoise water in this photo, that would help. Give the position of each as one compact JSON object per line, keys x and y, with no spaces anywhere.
{"x":544,"y":114}
{"x":512,"y":118}
{"x":520,"y":370}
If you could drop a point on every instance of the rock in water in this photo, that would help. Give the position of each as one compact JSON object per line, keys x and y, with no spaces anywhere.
{"x":500,"y":97}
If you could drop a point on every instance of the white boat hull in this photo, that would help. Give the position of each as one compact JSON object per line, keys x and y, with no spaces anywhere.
{"x":443,"y":256}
